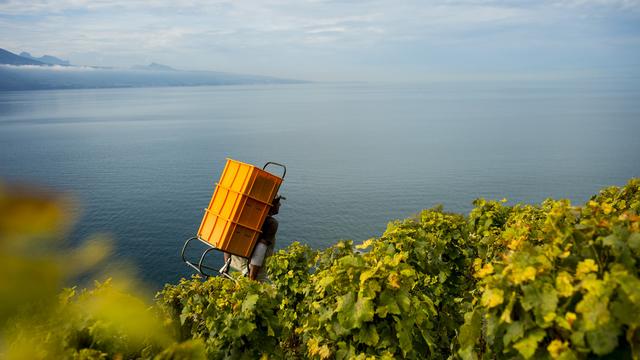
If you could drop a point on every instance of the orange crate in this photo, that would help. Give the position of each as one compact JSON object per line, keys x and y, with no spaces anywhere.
{"x":238,"y":208}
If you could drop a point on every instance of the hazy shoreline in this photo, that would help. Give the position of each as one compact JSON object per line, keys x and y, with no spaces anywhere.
{"x":18,"y":78}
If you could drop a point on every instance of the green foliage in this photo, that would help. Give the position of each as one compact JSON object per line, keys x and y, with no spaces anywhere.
{"x":523,"y":281}
{"x":188,"y":350}
{"x":235,"y":319}
{"x":437,"y":247}
{"x":289,"y":271}
{"x":368,"y":304}
{"x":559,"y":281}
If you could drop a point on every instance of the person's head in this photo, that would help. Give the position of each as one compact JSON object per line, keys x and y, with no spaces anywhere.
{"x":275,"y":208}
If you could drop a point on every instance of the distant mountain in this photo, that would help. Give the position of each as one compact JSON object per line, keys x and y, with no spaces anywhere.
{"x":13,"y":76}
{"x":9,"y":58}
{"x":154,"y":66}
{"x":47,"y":59}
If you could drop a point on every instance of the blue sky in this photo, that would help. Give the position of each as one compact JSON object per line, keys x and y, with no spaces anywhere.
{"x":338,"y":40}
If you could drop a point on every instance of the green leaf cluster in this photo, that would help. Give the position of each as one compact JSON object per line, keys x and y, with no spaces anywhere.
{"x":366,"y":304}
{"x":235,"y":319}
{"x":548,"y":281}
{"x":557,"y":281}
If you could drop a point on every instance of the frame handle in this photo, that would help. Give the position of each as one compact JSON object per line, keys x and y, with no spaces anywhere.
{"x":200,"y":266}
{"x":284,"y":172}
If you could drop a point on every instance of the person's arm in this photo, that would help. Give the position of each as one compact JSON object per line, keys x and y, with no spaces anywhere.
{"x":254,"y":270}
{"x":267,"y":238}
{"x":257,"y":259}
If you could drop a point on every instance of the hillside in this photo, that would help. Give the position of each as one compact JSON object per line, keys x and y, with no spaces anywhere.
{"x":154,"y":66}
{"x":9,"y":58}
{"x":505,"y":282}
{"x":47,"y":59}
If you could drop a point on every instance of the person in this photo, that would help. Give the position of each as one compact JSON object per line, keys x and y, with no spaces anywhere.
{"x":263,"y":249}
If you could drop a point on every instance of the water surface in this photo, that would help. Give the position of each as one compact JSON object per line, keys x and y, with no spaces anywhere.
{"x":143,"y":161}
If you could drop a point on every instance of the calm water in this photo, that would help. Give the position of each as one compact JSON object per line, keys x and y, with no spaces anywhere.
{"x":143,"y":161}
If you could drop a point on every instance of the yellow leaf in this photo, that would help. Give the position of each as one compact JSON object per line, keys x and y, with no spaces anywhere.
{"x":365,"y":244}
{"x":486,"y":270}
{"x":585,"y":267}
{"x":516,"y":242}
{"x":566,"y":252}
{"x":563,"y":284}
{"x":570,"y":317}
{"x":324,"y":352}
{"x":394,"y":280}
{"x":477,"y":264}
{"x":492,"y":298}
{"x":366,"y":275}
{"x":557,"y":347}
{"x":518,"y":277}
{"x":313,"y":346}
{"x":549,"y":317}
{"x":591,"y":284}
{"x":506,"y":314}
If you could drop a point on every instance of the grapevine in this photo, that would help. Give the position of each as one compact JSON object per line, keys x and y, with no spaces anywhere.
{"x":547,"y":281}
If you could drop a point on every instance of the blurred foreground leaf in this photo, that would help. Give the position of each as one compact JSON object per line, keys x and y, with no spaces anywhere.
{"x":41,"y":320}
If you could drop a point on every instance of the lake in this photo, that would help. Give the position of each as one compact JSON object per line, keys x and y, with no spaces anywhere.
{"x":143,"y":162}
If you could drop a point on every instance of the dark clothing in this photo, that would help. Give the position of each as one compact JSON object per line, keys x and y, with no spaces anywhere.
{"x":269,"y":229}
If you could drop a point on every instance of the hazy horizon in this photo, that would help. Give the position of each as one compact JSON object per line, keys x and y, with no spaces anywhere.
{"x":338,"y":41}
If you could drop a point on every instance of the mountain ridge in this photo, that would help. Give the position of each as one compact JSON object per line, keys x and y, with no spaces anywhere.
{"x":47,"y":59}
{"x":9,"y":58}
{"x":155,"y":67}
{"x":15,"y":76}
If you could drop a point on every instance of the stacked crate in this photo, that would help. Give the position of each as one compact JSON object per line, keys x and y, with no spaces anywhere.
{"x":238,"y":208}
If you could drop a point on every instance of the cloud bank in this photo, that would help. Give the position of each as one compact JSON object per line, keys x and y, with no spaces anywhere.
{"x":336,"y":40}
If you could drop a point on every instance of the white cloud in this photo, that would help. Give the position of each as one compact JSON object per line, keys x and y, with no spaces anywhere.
{"x":56,"y":68}
{"x":624,"y":4}
{"x":334,"y":29}
{"x":280,"y":35}
{"x":29,"y":7}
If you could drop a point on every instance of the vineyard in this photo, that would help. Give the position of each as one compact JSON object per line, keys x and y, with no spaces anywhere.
{"x":548,"y":281}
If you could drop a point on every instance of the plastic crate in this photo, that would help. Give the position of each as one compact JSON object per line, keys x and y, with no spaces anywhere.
{"x":239,"y":205}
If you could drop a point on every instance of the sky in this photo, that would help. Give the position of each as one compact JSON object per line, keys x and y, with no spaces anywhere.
{"x":331,"y":40}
